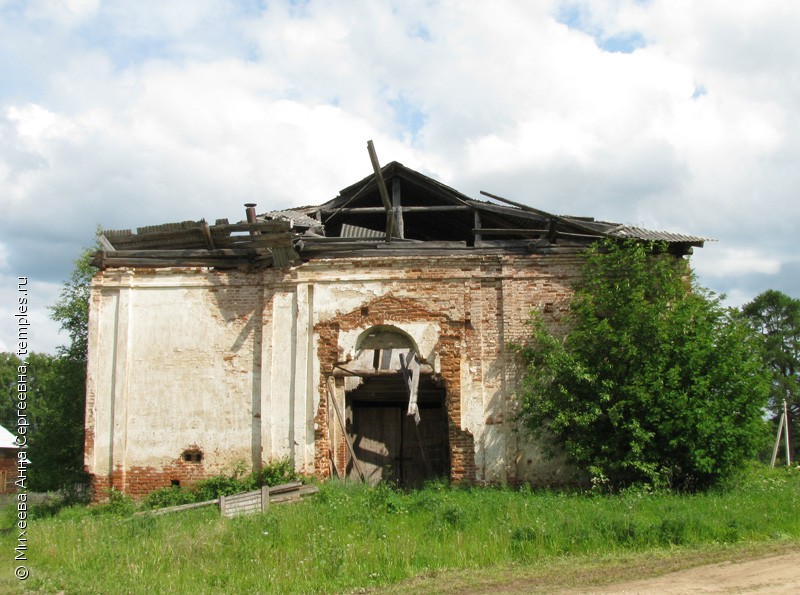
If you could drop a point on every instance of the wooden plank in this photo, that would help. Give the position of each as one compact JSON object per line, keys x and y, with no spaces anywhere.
{"x":265,"y":239}
{"x":410,"y":369}
{"x":286,"y":487}
{"x":276,"y":226}
{"x":397,"y":207}
{"x":110,"y":261}
{"x":505,"y":231}
{"x":189,"y":253}
{"x":382,"y":191}
{"x":178,"y":507}
{"x":191,"y":238}
{"x":116,"y":233}
{"x":404,"y":247}
{"x":544,"y":214}
{"x":564,"y":234}
{"x":379,"y":441}
{"x":494,"y":209}
{"x":167,"y":227}
{"x":367,"y":252}
{"x":344,"y":370}
{"x":332,"y":400}
{"x":404,"y":209}
{"x":336,"y":246}
{"x":294,"y":496}
{"x":104,"y":243}
{"x":243,"y":503}
{"x":337,"y":240}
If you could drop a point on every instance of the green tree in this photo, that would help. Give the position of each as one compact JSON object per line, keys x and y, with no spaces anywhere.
{"x":72,"y":307}
{"x":653,"y":382}
{"x":8,"y":390}
{"x":56,"y":409}
{"x":57,"y":389}
{"x":776,"y":316}
{"x":55,"y":432}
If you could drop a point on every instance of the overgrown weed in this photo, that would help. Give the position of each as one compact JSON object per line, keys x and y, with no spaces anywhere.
{"x":352,"y":536}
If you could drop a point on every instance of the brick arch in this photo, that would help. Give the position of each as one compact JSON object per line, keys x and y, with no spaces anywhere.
{"x":381,"y":311}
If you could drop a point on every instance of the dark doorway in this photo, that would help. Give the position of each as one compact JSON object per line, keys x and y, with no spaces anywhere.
{"x":390,"y":445}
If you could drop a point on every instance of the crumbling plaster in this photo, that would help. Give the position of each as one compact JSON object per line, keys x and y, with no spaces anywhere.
{"x":230,"y":362}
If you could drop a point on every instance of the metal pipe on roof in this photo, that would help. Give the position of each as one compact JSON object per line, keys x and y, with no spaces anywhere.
{"x":250,"y":211}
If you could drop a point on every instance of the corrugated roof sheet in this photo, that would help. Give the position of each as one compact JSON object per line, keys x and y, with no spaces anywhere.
{"x":354,"y":231}
{"x":639,"y":233}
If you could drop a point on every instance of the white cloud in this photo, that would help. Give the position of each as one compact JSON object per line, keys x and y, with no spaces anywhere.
{"x":42,"y":334}
{"x":130,"y":115}
{"x":737,"y":263}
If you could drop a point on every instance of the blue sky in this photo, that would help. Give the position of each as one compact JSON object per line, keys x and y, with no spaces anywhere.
{"x":679,"y":116}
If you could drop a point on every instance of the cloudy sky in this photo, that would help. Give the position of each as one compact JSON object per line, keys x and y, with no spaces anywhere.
{"x":679,"y":115}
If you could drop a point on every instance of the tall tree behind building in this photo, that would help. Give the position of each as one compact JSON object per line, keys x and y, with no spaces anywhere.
{"x":58,"y":390}
{"x":777,"y":317}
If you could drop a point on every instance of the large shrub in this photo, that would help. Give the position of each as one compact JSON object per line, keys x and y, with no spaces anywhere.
{"x":654,"y":382}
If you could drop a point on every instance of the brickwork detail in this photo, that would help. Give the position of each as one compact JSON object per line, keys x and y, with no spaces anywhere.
{"x":8,"y":470}
{"x":383,"y":310}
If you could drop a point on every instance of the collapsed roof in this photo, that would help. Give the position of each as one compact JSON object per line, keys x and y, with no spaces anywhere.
{"x":396,"y":211}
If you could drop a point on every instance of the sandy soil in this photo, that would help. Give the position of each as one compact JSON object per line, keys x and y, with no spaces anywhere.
{"x":774,"y":574}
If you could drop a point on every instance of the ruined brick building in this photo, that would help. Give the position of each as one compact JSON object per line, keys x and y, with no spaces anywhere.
{"x":364,"y":337}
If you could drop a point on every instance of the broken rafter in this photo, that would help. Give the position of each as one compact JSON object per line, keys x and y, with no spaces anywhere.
{"x":199,"y":253}
{"x":397,"y":208}
{"x":257,"y":226}
{"x":383,"y":191}
{"x":546,"y":215}
{"x":414,"y":209}
{"x":506,"y":231}
{"x":104,"y":243}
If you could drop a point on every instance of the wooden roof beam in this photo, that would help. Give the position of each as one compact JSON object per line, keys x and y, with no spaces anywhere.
{"x":387,"y":204}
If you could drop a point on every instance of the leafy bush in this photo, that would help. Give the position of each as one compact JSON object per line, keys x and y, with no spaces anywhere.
{"x":169,"y":496}
{"x":222,"y":485}
{"x":118,"y":504}
{"x":654,"y":383}
{"x":277,"y":472}
{"x":274,"y":473}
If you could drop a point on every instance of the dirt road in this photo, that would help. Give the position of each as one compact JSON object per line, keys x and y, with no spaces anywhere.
{"x":753,"y":568}
{"x":774,"y":574}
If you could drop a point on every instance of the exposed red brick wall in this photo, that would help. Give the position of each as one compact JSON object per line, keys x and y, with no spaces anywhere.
{"x":390,"y":308}
{"x":139,"y":481}
{"x":8,"y":470}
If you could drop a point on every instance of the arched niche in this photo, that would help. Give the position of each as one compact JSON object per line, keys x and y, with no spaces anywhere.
{"x":384,"y":347}
{"x":385,"y":336}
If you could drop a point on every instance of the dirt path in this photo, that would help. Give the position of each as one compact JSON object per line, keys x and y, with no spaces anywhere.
{"x":774,"y":574}
{"x":754,"y":568}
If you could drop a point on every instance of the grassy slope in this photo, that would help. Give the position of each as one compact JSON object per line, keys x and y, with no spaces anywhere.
{"x":350,"y":537}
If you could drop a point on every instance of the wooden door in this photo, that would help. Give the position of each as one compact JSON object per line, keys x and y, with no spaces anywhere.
{"x":425,"y":454}
{"x":377,"y":439}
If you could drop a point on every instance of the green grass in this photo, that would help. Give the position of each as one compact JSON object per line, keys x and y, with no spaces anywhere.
{"x":351,"y":536}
